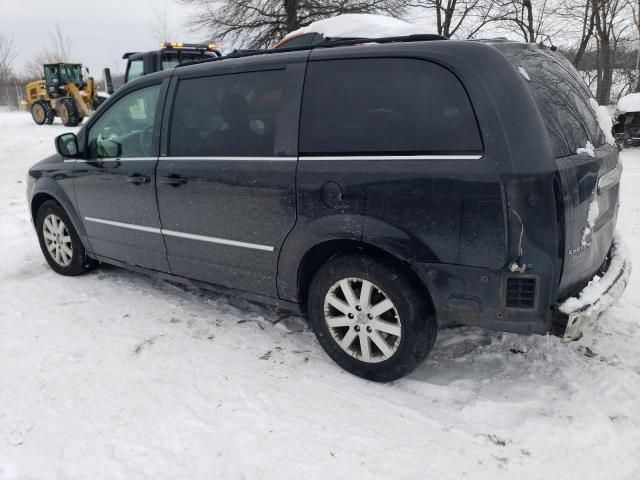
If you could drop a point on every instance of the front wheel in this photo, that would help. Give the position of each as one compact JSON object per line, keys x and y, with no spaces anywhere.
{"x":42,"y":112}
{"x":369,"y":318}
{"x":69,"y":113}
{"x":59,"y":241}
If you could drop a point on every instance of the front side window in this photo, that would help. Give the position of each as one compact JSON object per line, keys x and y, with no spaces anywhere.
{"x":227,"y":115}
{"x":385,"y":106}
{"x":126,"y":128}
{"x":135,"y":69}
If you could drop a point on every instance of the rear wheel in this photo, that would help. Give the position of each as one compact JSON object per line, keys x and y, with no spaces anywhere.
{"x":59,"y":241}
{"x":369,"y":318}
{"x":69,"y":112}
{"x":42,"y":112}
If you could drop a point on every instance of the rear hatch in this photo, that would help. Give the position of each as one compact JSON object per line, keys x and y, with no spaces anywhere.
{"x":588,"y":170}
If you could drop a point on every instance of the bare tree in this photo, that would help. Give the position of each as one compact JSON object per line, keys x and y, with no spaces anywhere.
{"x":611,"y":20}
{"x":578,"y":23}
{"x":635,"y":8}
{"x":161,"y":26}
{"x":8,"y":54}
{"x":261,"y":23}
{"x":458,"y":18}
{"x":58,"y":49}
{"x":532,"y":20}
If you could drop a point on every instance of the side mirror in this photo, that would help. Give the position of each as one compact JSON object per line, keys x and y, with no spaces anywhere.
{"x":67,"y":145}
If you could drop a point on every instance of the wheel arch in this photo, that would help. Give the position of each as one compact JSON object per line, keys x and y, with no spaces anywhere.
{"x":322,"y":252}
{"x":41,"y":195}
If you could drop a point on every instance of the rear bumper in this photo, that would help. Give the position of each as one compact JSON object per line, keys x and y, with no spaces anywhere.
{"x":601,"y":293}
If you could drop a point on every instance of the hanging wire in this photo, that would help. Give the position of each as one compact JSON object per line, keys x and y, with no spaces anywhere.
{"x":521,"y":231}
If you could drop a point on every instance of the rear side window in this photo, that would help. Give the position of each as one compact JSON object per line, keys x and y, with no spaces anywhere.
{"x":385,"y":106}
{"x":227,"y":115}
{"x":562,"y":99}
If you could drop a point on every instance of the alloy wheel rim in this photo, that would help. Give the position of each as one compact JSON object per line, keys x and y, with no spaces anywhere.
{"x":362,"y":320}
{"x":57,"y":240}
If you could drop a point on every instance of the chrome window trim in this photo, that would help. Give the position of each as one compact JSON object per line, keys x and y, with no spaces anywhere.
{"x":288,"y":159}
{"x":392,"y":157}
{"x":111,"y":159}
{"x":231,"y":158}
{"x":220,"y":241}
{"x":130,"y":226}
{"x":189,"y":236}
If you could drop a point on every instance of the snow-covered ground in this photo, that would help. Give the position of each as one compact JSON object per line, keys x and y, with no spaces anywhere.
{"x":117,"y":376}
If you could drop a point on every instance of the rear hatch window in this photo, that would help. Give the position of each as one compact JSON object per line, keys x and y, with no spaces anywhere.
{"x":586,"y":214}
{"x":562,"y":99}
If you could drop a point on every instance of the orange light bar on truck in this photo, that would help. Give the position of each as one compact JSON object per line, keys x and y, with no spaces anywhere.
{"x":194,"y":46}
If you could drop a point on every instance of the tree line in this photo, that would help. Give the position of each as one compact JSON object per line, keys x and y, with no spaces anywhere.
{"x":596,"y":35}
{"x":600,"y":37}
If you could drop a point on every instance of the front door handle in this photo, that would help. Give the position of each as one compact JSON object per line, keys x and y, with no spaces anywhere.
{"x":138,"y":179}
{"x":174,"y":180}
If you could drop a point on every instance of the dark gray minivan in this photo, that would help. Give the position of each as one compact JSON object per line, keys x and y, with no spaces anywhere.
{"x":383,"y":190}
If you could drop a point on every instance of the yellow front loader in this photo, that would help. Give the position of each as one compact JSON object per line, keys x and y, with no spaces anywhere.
{"x":62,"y":93}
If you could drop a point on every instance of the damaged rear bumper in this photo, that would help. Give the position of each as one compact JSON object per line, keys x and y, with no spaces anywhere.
{"x":601,"y":293}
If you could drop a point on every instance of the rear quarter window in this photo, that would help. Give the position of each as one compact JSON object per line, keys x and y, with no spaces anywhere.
{"x":385,"y":106}
{"x":562,"y":99}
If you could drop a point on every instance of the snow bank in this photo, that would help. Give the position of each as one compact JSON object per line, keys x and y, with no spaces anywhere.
{"x":600,"y":285}
{"x":360,"y":25}
{"x":144,"y":379}
{"x":629,"y":103}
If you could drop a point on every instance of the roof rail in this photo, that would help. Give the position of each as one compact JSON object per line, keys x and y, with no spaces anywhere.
{"x":325,"y":44}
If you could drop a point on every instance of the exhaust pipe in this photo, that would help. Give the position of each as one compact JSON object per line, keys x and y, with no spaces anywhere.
{"x":108,"y":84}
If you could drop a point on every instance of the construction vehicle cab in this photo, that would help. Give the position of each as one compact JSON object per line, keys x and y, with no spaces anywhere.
{"x":63,"y":92}
{"x":56,"y":75}
{"x":170,"y":55}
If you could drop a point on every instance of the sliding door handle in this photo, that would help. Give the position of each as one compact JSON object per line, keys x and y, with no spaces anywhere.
{"x":138,"y":179}
{"x":174,"y":180}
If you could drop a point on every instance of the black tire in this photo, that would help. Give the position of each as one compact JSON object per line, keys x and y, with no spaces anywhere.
{"x":78,"y":262}
{"x":418,"y":326}
{"x":49,"y":112}
{"x":97,"y":101}
{"x":42,"y":112}
{"x":69,"y":112}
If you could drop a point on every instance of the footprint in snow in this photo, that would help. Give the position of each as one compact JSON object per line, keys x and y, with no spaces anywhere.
{"x":148,"y":342}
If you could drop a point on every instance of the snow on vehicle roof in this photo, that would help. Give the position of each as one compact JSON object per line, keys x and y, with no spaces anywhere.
{"x":629,"y":103}
{"x":360,"y":25}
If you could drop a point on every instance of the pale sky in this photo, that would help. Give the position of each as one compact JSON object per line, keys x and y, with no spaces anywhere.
{"x":101,"y":32}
